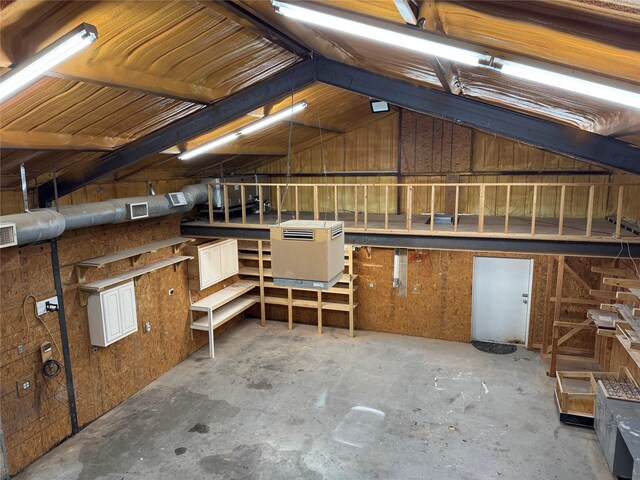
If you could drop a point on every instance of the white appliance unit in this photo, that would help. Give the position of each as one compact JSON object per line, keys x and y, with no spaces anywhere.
{"x":307,"y":254}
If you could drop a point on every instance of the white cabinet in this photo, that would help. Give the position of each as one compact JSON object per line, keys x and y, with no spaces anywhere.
{"x":112,"y":314}
{"x":212,"y":263}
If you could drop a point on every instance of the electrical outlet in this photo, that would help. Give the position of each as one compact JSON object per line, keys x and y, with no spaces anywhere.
{"x":25,"y":385}
{"x":372,"y":285}
{"x":42,"y":305}
{"x":20,"y":349}
{"x":147,"y":327}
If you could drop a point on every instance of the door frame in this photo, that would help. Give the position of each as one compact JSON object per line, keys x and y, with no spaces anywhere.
{"x":529,"y":298}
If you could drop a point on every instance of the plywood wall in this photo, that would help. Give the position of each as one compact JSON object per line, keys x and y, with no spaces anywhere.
{"x":35,"y":423}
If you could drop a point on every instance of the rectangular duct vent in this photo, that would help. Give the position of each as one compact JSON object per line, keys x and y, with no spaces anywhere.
{"x":137,"y":210}
{"x":297,"y":234}
{"x":336,"y":230}
{"x":177,"y":199}
{"x":8,"y":235}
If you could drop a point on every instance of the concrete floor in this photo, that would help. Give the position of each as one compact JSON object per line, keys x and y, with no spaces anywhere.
{"x":294,"y":405}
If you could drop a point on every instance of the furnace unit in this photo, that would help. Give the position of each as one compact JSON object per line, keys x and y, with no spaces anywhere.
{"x":307,"y":254}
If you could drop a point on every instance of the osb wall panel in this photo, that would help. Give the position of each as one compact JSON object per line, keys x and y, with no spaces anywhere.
{"x":431,"y":145}
{"x":35,"y":423}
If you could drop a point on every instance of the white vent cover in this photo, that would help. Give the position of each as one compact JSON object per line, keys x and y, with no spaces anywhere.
{"x":177,"y":199}
{"x":137,"y":210}
{"x":8,"y":235}
{"x":336,"y":230}
{"x":297,"y":234}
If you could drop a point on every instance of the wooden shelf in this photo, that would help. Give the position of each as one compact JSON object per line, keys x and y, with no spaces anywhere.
{"x":225,"y":313}
{"x":221,"y":307}
{"x":266,"y":257}
{"x":135,"y":274}
{"x":133,"y":253}
{"x":304,"y":303}
{"x":222,"y":297}
{"x":255,"y":272}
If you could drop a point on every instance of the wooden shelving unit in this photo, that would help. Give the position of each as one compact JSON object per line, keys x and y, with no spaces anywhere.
{"x":257,"y":253}
{"x":135,"y":274}
{"x":132,"y":253}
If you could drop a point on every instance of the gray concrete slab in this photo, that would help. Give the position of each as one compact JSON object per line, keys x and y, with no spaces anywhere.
{"x":275,"y":404}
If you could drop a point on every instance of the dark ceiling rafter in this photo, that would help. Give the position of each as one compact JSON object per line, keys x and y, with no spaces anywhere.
{"x":268,"y":31}
{"x":274,"y":88}
{"x":604,"y":151}
{"x":573,"y":142}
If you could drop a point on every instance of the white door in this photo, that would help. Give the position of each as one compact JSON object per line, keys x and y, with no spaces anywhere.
{"x":128,"y":308}
{"x":229,"y":258}
{"x":209,"y":258}
{"x":501,"y":299}
{"x":111,"y":315}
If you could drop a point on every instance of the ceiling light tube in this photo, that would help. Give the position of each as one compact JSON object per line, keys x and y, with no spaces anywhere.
{"x":396,"y":35}
{"x":54,"y":54}
{"x":403,"y":36}
{"x":247,"y":130}
{"x":570,"y":83}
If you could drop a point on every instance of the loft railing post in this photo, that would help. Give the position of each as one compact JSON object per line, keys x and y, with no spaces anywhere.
{"x":590,"y":210}
{"x":433,"y":207}
{"x":210,"y":198}
{"x":563,"y":195}
{"x":534,"y":205}
{"x":507,"y":208}
{"x":226,"y":203}
{"x":386,"y":207}
{"x":457,"y":206}
{"x":619,"y":209}
{"x":481,"y":209}
{"x":244,"y":205}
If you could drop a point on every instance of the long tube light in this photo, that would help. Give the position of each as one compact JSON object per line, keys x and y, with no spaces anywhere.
{"x":47,"y":58}
{"x":246,"y":130}
{"x":457,"y":51}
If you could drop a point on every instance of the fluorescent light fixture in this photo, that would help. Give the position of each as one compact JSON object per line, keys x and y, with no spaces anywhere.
{"x":264,"y":122}
{"x":403,"y":36}
{"x":378,"y":106}
{"x":570,"y":83}
{"x":60,"y":50}
{"x":318,"y":15}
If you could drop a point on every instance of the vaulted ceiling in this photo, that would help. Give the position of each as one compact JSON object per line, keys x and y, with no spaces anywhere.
{"x":157,"y":62}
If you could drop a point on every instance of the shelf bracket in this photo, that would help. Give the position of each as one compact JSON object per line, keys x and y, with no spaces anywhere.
{"x":81,"y":273}
{"x":83,"y":296}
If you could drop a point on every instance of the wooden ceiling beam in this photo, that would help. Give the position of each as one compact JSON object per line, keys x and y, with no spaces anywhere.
{"x":34,"y":140}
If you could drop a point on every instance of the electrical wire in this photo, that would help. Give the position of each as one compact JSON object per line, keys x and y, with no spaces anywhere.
{"x":635,"y":266}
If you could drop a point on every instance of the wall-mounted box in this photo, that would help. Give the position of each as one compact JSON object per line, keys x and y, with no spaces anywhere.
{"x":212,"y":262}
{"x":112,"y":314}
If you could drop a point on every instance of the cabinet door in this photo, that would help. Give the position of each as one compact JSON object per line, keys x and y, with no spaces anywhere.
{"x":128,"y":316}
{"x":229,"y":258}
{"x":111,"y":315}
{"x":210,"y":268}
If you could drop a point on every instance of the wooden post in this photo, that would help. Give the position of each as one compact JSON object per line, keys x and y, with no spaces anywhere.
{"x":455,"y":213}
{"x":386,"y":207}
{"x":355,"y":208}
{"x":554,"y":352}
{"x":319,"y":312}
{"x":316,"y":208}
{"x":507,"y":208}
{"x":290,"y":307}
{"x":481,"y":209}
{"x":225,"y":189}
{"x":590,"y":210}
{"x":619,"y":209}
{"x":279,"y":213}
{"x":563,"y":193}
{"x":297,"y":203}
{"x":547,"y":304}
{"x":210,"y":195}
{"x":433,"y":207}
{"x":533,"y":209}
{"x":350,"y":269}
{"x":260,"y":206}
{"x":263,"y":316}
{"x":366,"y":206}
{"x":557,"y":308}
{"x":409,"y":206}
{"x":335,"y":202}
{"x":244,"y":205}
